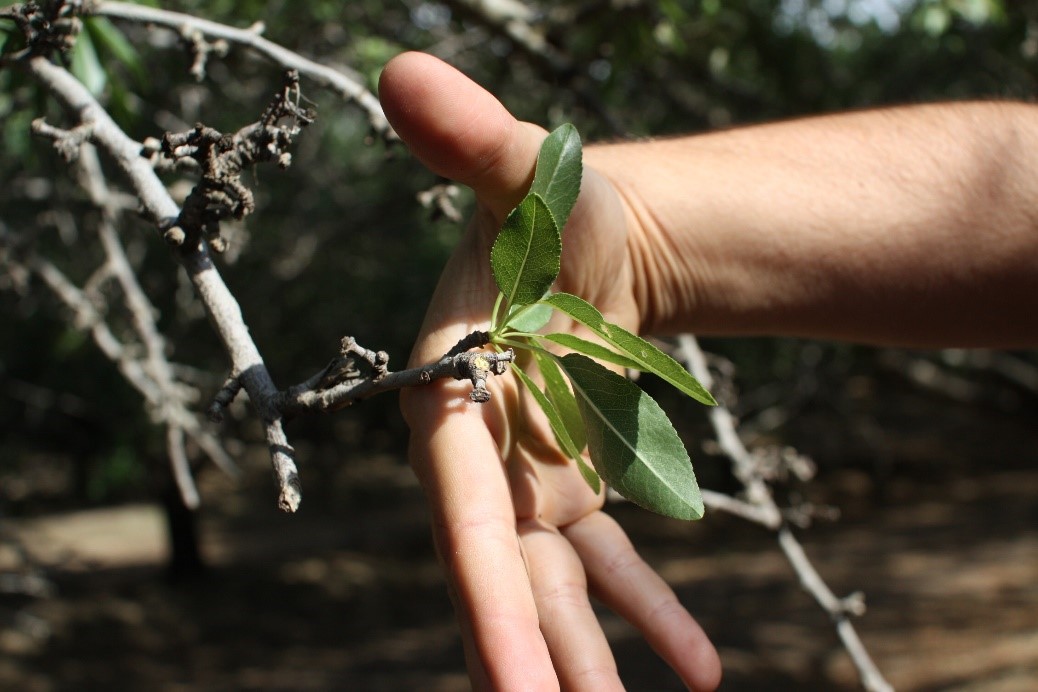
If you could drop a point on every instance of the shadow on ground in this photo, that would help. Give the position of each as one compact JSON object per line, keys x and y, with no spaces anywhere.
{"x":346,"y":595}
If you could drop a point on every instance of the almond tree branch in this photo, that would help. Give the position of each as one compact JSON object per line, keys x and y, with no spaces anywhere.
{"x":767,"y":513}
{"x":347,"y":86}
{"x":320,"y":393}
{"x":154,"y":198}
{"x":223,"y":310}
{"x":194,"y":230}
{"x":739,"y":508}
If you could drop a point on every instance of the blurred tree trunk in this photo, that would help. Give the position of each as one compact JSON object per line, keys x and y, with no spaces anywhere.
{"x":185,"y":555}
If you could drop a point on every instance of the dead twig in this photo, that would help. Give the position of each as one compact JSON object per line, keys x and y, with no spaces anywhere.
{"x":345,"y":380}
{"x":51,"y":28}
{"x":222,"y":159}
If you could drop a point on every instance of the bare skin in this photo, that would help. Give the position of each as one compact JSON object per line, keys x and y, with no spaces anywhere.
{"x":900,"y":226}
{"x":910,"y":226}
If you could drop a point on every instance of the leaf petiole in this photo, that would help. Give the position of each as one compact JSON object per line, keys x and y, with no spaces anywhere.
{"x":494,"y":315}
{"x":524,"y":345}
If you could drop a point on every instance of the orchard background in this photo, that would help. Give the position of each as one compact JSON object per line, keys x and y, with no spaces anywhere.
{"x":929,"y":459}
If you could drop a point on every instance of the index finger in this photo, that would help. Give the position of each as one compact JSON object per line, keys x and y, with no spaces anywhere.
{"x":457,"y":461}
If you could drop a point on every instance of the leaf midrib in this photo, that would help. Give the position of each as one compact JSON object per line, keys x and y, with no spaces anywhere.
{"x":532,"y":226}
{"x":595,"y":407}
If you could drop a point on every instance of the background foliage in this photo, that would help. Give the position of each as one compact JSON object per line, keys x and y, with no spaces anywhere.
{"x":339,"y":245}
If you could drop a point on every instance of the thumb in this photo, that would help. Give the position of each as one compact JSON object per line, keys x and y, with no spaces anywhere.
{"x":459,"y":130}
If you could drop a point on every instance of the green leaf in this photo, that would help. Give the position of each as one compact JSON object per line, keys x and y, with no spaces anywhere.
{"x":111,"y":39}
{"x":590,"y":477}
{"x":558,"y":427}
{"x":645,"y":355}
{"x":86,"y":66}
{"x":590,"y":348}
{"x":525,"y":257}
{"x":528,"y":318}
{"x":559,"y":167}
{"x":633,"y":445}
{"x":6,"y":33}
{"x":558,"y":391}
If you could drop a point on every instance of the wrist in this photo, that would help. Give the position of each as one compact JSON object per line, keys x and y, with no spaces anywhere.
{"x":664,"y":269}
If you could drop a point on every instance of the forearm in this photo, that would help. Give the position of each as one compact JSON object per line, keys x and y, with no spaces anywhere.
{"x":915,"y":226}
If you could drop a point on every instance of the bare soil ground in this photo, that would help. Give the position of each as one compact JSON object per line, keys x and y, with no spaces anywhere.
{"x":346,"y":595}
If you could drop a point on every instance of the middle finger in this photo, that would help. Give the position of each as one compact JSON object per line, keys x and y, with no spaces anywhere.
{"x":578,"y":647}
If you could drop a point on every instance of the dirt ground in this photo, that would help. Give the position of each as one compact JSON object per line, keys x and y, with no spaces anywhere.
{"x":346,"y":595}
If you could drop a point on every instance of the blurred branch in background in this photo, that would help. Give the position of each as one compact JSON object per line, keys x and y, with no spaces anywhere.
{"x":22,"y":581}
{"x":142,"y":359}
{"x":952,"y":373}
{"x":201,"y":33}
{"x":759,"y":506}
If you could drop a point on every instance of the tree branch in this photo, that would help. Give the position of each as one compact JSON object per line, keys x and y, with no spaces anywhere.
{"x":344,"y":381}
{"x":221,"y":158}
{"x":739,"y":508}
{"x":761,"y":507}
{"x":347,"y":86}
{"x":223,"y":310}
{"x":143,"y":315}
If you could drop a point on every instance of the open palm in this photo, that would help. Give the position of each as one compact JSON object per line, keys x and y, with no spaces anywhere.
{"x":519,"y":533}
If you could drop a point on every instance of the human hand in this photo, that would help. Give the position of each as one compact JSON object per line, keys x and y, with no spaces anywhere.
{"x":521,"y":536}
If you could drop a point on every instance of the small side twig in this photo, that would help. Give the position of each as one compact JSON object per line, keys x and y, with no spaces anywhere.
{"x":223,"y":399}
{"x":66,"y":142}
{"x":202,"y":49}
{"x":222,"y":158}
{"x":739,"y":508}
{"x":378,"y":361}
{"x":345,"y":380}
{"x":474,"y":340}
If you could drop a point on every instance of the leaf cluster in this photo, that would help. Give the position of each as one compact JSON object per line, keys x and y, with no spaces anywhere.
{"x":630,"y":441}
